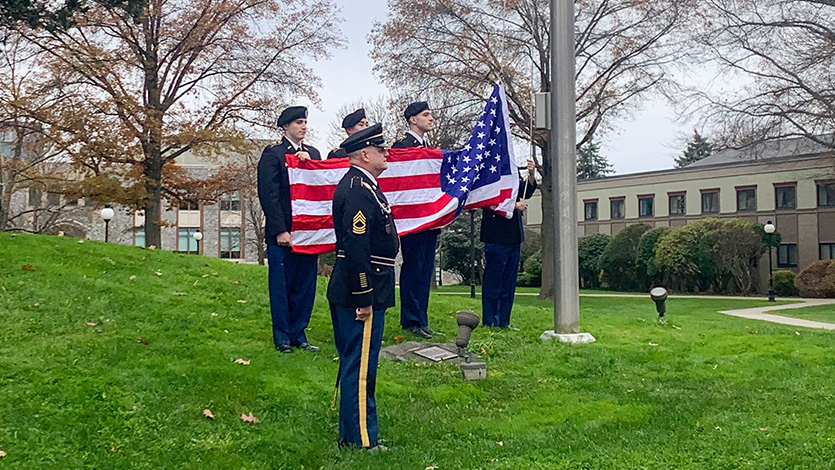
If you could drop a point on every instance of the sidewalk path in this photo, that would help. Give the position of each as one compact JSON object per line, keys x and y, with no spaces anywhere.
{"x":756,"y":313}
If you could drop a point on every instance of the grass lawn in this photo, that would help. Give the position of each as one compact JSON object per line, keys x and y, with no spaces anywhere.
{"x":99,"y":369}
{"x":822,"y":313}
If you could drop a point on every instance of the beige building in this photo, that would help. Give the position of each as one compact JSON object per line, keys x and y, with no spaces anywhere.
{"x":790,"y":182}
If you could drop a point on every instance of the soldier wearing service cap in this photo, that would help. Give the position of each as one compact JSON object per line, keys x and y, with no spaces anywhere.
{"x":362,"y":285}
{"x":418,"y":248}
{"x":292,"y":276}
{"x":352,"y":123}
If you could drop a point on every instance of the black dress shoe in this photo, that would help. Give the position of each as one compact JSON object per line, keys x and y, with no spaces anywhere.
{"x":428,"y":330}
{"x":284,"y":348}
{"x":308,"y":347}
{"x":418,"y":331}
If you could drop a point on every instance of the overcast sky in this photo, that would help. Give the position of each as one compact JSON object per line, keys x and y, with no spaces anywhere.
{"x":648,"y":141}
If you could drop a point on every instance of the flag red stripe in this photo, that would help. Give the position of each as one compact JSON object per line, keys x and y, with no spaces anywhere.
{"x":493,"y":201}
{"x":416,"y":153}
{"x":416,"y":211}
{"x":312,"y":222}
{"x":314,"y":249}
{"x":409,"y":182}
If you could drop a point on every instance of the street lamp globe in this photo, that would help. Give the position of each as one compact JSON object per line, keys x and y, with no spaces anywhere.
{"x":198,"y":236}
{"x":769,"y":227}
{"x":107,"y":213}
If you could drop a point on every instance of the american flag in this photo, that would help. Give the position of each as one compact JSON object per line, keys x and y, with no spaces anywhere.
{"x":425,"y":187}
{"x":483,"y":173}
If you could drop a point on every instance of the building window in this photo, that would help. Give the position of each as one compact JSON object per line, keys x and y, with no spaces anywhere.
{"x":230,"y":202}
{"x":188,"y":206}
{"x":591,"y":210}
{"x":746,"y":200}
{"x":34,"y":197}
{"x":185,"y":240}
{"x":785,"y":197}
{"x":53,"y":199}
{"x":826,"y":194}
{"x":230,"y":243}
{"x":139,"y":237}
{"x":710,"y":202}
{"x":827,"y":251}
{"x":678,"y":205}
{"x":617,"y":208}
{"x":787,"y":255}
{"x":645,"y":206}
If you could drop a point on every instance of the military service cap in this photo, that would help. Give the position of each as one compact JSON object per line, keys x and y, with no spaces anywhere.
{"x":353,"y":119}
{"x":415,"y":108}
{"x":291,"y":114}
{"x":368,"y":137}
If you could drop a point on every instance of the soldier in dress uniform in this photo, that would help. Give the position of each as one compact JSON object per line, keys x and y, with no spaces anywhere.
{"x":362,"y":285}
{"x":292,"y":276}
{"x":352,"y":123}
{"x":502,"y":240}
{"x":418,"y":248}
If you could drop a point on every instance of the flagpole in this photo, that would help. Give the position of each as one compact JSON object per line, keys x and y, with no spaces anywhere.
{"x":564,"y":176}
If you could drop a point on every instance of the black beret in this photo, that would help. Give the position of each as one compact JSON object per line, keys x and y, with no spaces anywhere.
{"x":353,"y":119}
{"x":370,"y":136}
{"x":291,"y":114}
{"x":415,"y":108}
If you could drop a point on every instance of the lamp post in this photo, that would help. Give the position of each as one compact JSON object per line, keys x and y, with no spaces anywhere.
{"x":198,"y":235}
{"x":769,"y":229}
{"x":106,"y":214}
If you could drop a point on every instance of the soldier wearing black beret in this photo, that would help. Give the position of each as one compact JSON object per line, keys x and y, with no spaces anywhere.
{"x":418,"y":248}
{"x":362,"y":285}
{"x":292,"y":276}
{"x":352,"y":123}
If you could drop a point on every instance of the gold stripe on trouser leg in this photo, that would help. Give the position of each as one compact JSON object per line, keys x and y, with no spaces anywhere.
{"x":363,"y":379}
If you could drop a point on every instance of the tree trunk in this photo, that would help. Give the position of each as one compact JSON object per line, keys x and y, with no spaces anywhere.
{"x":548,"y":226}
{"x":153,"y":203}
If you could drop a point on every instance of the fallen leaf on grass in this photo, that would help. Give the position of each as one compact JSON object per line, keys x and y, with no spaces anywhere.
{"x":205,"y":275}
{"x":214,"y":314}
{"x":433,"y":467}
{"x":718,"y":428}
{"x":80,"y":242}
{"x":158,"y":273}
{"x":60,"y":233}
{"x":250,"y":418}
{"x":27,"y":268}
{"x":763,"y":429}
{"x":111,"y":262}
{"x":500,"y":443}
{"x":152,"y":247}
{"x":132,"y":278}
{"x":20,"y":283}
{"x":237,"y":283}
{"x":398,"y":339}
{"x":241,"y":301}
{"x":37,"y":304}
{"x":653,"y":344}
{"x":484,"y":350}
{"x":797,"y":333}
{"x":2,"y":454}
{"x":241,"y":361}
{"x":208,"y":413}
{"x":178,"y":293}
{"x":89,"y":323}
{"x":143,"y":341}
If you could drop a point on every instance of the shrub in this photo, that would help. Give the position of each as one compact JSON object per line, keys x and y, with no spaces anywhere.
{"x":817,"y":280}
{"x":617,"y":262}
{"x":532,"y":274}
{"x":711,"y":255}
{"x":649,"y":275}
{"x":784,"y":283}
{"x":589,"y":249}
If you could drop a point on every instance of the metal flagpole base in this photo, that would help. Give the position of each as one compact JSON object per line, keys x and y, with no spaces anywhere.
{"x":573,"y":338}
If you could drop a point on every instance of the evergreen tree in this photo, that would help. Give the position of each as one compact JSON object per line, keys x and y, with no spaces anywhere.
{"x":590,"y":164}
{"x":698,"y":148}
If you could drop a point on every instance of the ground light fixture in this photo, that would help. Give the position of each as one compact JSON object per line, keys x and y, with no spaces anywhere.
{"x":659,"y":296}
